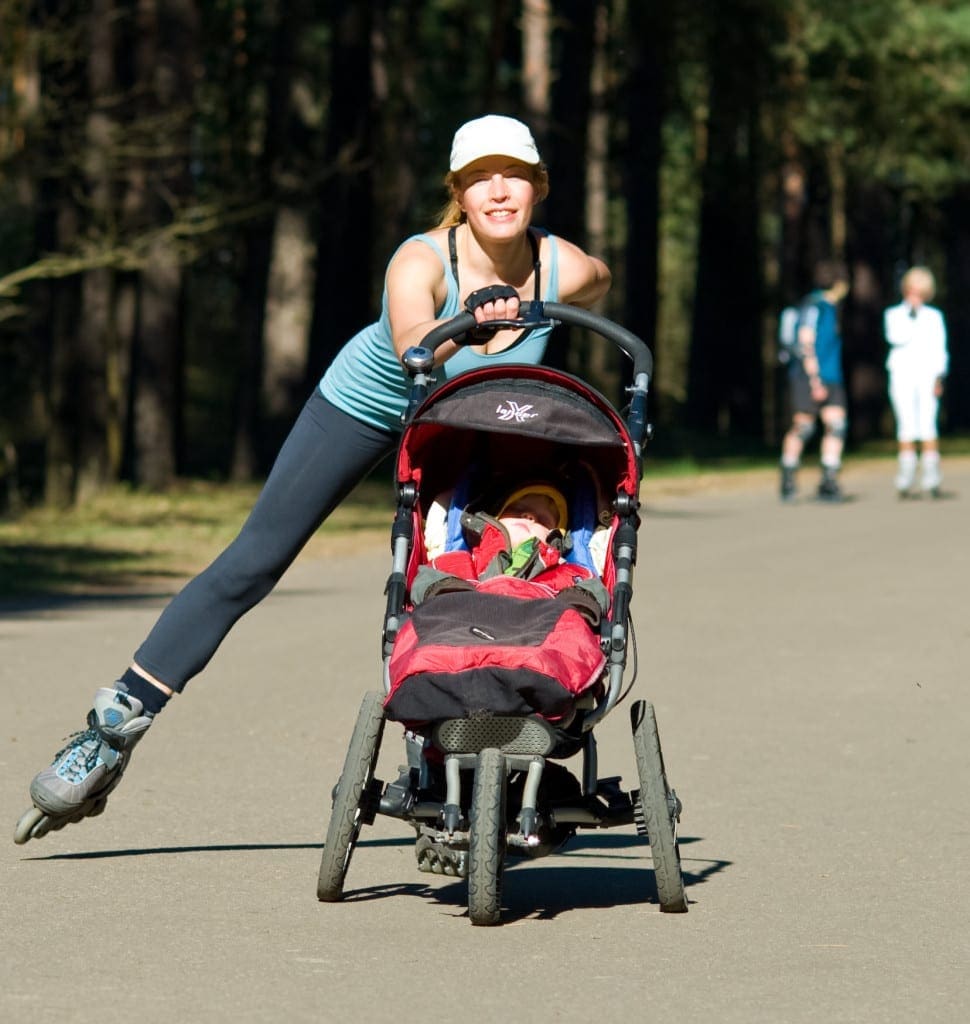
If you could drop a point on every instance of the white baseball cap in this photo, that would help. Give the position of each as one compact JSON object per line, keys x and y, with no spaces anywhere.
{"x":493,"y":135}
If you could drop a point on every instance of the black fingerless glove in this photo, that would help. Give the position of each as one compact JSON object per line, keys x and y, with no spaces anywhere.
{"x":489,"y":294}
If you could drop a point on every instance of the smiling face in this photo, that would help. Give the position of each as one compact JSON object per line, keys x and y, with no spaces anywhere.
{"x":497,"y":195}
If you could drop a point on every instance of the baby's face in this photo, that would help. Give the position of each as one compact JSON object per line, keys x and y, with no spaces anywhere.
{"x":537,"y":508}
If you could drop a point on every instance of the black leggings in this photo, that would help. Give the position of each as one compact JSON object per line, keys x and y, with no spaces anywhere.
{"x":325,"y":456}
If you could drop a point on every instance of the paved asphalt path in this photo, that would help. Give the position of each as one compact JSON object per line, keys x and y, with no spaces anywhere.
{"x":809,"y":666}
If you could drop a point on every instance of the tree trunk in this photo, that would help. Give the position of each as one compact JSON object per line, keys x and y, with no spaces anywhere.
{"x":564,"y":144}
{"x":648,"y":36}
{"x":342,"y":295}
{"x":724,"y":376}
{"x":956,"y":306}
{"x":96,"y":334}
{"x":496,"y":53}
{"x":276,"y":272}
{"x":156,"y":370}
{"x":258,"y":242}
{"x":286,"y":332}
{"x":536,"y":63}
{"x":594,"y":358}
{"x":59,"y":224}
{"x":157,"y":189}
{"x":60,"y":469}
{"x":395,"y":70}
{"x":869,"y":229}
{"x":118,"y":371}
{"x":785,"y":267}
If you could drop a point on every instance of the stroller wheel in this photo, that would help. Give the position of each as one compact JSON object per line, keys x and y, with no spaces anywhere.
{"x":354,"y":799}
{"x":659,"y":807}
{"x":486,"y":847}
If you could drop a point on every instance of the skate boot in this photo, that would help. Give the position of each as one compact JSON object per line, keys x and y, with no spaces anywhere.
{"x":787,"y":488}
{"x":931,"y":477}
{"x":905,"y":475}
{"x":84,"y":772}
{"x":828,"y":488}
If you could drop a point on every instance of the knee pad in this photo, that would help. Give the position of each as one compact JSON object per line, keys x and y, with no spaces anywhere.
{"x":838,"y":428}
{"x":805,"y":431}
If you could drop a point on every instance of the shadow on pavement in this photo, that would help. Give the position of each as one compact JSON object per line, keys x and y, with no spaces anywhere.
{"x":545,"y":892}
{"x":214,"y":848}
{"x":548,"y":889}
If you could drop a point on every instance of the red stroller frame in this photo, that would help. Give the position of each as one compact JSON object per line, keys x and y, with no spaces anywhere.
{"x":532,"y":420}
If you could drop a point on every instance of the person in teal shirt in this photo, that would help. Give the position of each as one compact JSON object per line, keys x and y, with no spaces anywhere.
{"x":351,"y":421}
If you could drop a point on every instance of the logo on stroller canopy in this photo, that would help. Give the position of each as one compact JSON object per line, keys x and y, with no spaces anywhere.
{"x":512,"y":412}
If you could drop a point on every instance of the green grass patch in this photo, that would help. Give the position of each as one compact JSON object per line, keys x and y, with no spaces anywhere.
{"x":126,"y":538}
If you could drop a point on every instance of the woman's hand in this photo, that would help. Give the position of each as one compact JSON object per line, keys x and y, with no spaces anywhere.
{"x":495,"y":302}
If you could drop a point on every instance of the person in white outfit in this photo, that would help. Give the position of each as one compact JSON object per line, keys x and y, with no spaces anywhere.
{"x":917,"y":363}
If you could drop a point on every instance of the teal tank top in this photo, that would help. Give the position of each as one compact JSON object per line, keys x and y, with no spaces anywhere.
{"x":366,"y":379}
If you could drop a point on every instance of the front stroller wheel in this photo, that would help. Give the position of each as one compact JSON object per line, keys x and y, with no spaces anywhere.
{"x":486,"y":843}
{"x":354,"y":799}
{"x":660,"y":809}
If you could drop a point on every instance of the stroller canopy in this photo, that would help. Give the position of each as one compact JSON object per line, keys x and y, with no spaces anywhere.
{"x":510,"y":423}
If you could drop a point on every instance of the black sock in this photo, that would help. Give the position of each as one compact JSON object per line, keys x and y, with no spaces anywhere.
{"x":152,"y":698}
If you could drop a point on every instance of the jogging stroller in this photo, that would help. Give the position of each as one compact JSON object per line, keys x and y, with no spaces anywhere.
{"x":500,"y":681}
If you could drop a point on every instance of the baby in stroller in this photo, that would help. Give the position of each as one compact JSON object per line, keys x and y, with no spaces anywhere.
{"x":529,"y":535}
{"x":505,"y":612}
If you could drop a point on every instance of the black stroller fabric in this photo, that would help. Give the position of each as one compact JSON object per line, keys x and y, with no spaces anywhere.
{"x":467,"y":652}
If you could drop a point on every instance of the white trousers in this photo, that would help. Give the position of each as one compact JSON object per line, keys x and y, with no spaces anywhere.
{"x":915,"y":406}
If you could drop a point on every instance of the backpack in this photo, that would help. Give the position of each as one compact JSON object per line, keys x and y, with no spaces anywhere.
{"x":788,"y":322}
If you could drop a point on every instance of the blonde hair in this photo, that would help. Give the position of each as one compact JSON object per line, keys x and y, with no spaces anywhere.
{"x":919,"y":279}
{"x":452,"y":213}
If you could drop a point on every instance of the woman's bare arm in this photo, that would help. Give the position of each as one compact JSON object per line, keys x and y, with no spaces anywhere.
{"x":415,"y":289}
{"x":583,"y":279}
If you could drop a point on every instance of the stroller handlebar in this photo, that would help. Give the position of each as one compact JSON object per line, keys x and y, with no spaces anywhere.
{"x":539,"y":314}
{"x":418,"y":361}
{"x":626,"y":341}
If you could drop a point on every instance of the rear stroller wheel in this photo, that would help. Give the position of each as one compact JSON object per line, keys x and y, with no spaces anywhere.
{"x":660,"y":809}
{"x":355,"y":798}
{"x":486,"y":844}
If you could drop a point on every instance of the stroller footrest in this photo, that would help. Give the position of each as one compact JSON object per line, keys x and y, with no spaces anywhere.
{"x":510,"y":734}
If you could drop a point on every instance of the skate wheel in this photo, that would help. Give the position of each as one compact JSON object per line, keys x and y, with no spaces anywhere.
{"x":29,"y":821}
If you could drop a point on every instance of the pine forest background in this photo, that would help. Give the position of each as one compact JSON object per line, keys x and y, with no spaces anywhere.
{"x":198,"y":199}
